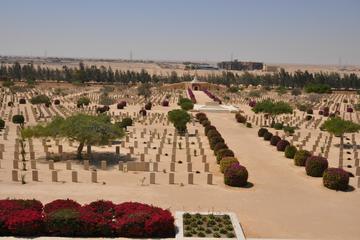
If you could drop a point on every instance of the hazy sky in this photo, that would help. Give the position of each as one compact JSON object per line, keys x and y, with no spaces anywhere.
{"x":273,"y":31}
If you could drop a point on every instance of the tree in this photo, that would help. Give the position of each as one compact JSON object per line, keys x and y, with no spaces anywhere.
{"x":144,"y":90}
{"x":83,"y":101}
{"x":40,"y":99}
{"x":18,"y":119}
{"x":179,"y":118}
{"x":272,"y":108}
{"x":86,"y":129}
{"x":339,"y":127}
{"x":186,"y":104}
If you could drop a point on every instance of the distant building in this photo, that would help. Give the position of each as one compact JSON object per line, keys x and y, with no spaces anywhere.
{"x":269,"y":68}
{"x":241,"y":66}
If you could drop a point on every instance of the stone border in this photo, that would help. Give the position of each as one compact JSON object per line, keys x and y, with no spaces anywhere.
{"x":234,"y":220}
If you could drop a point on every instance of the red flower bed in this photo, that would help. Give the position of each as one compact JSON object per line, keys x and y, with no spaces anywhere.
{"x":97,"y":219}
{"x":61,"y":204}
{"x":191,"y":95}
{"x":24,"y":223}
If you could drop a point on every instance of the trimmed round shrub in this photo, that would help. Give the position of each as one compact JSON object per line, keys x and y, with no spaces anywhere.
{"x":56,"y":102}
{"x":10,"y":104}
{"x":315,"y":166}
{"x":300,"y":157}
{"x":236,"y":175}
{"x":349,"y":110}
{"x":219,"y":146}
{"x":64,"y":222}
{"x":18,"y":119}
{"x":326,"y":114}
{"x":226,"y":162}
{"x":125,"y":122}
{"x":201,"y":116}
{"x":248,"y":125}
{"x":267,"y":136}
{"x":61,"y":204}
{"x":262,"y":131}
{"x":2,"y":123}
{"x":205,"y":123}
{"x":321,"y":112}
{"x":120,"y":105}
{"x":310,"y":111}
{"x":240,"y":118}
{"x":278,"y":126}
{"x":22,"y":101}
{"x":165,"y":103}
{"x":308,"y":117}
{"x":208,"y":128}
{"x":143,"y":112}
{"x":224,"y":153}
{"x":282,"y":144}
{"x":336,"y":179}
{"x":215,"y":140}
{"x":290,"y":151}
{"x":148,"y":106}
{"x":274,"y":140}
{"x":25,"y":223}
{"x":212,"y":132}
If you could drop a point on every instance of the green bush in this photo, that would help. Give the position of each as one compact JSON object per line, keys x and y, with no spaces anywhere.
{"x":215,"y":140}
{"x":267,"y":136}
{"x":236,"y":175}
{"x":126,"y":122}
{"x":336,"y":179}
{"x":219,"y":146}
{"x":40,"y":99}
{"x":278,"y":126}
{"x":226,"y":162}
{"x":290,"y":151}
{"x":83,"y":101}
{"x":64,"y":222}
{"x":186,"y":104}
{"x":315,"y":166}
{"x":2,"y":123}
{"x":223,"y":153}
{"x":262,"y":131}
{"x":300,"y":157}
{"x":18,"y":119}
{"x":248,"y":125}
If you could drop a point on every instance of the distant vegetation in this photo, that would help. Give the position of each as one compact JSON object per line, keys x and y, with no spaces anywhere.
{"x":84,"y":73}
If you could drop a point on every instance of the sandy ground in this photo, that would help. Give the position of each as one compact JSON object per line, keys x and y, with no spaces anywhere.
{"x":282,"y":203}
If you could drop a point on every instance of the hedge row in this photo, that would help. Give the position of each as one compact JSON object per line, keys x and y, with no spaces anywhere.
{"x":67,"y":218}
{"x":315,"y":166}
{"x":235,"y":174}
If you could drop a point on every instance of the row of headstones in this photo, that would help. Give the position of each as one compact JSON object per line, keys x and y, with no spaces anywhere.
{"x":94,"y":178}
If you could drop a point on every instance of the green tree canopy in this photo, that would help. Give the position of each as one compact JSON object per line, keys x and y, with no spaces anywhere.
{"x":83,"y":101}
{"x":186,"y":104}
{"x":179,"y":118}
{"x":86,"y":129}
{"x":144,"y":90}
{"x":40,"y":99}
{"x":272,"y":108}
{"x":339,"y":127}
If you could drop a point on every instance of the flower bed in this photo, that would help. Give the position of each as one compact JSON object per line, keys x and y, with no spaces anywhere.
{"x":191,"y":95}
{"x":212,"y":96}
{"x":98,"y":219}
{"x":208,"y":226}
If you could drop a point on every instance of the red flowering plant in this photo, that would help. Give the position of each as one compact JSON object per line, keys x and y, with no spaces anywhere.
{"x":61,"y":204}
{"x":104,"y":208}
{"x":139,"y":220}
{"x":10,"y":206}
{"x":95,"y":224}
{"x":25,"y":223}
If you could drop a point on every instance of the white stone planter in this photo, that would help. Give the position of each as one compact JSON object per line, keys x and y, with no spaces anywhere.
{"x":234,"y":220}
